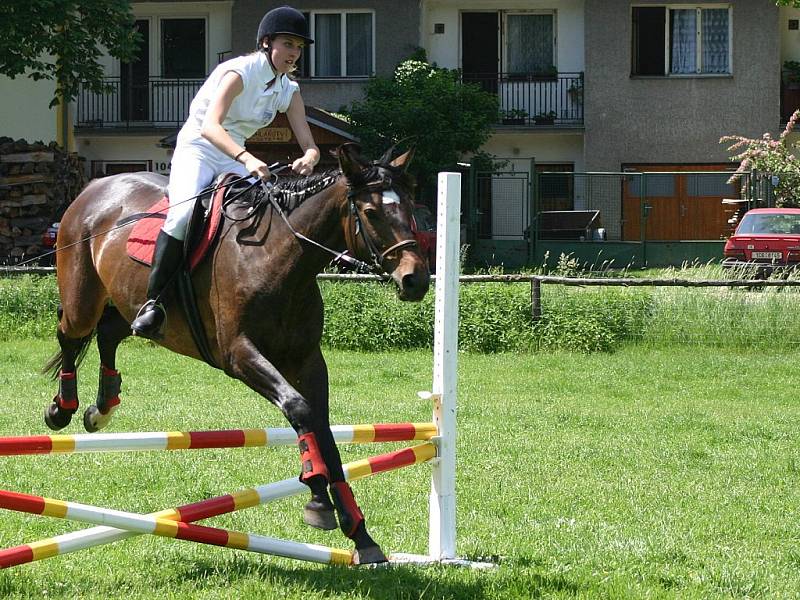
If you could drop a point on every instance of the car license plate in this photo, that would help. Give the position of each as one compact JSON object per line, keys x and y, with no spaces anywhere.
{"x":772,"y":255}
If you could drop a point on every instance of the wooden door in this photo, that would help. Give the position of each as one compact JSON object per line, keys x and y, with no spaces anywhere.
{"x":135,"y":79}
{"x":676,"y":202}
{"x":651,"y":199}
{"x":480,"y":57}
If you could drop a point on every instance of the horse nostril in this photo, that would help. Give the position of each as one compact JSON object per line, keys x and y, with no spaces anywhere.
{"x":409,"y":282}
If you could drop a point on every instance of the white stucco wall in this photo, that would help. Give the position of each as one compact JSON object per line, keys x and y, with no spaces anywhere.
{"x":790,"y":40}
{"x":24,"y":111}
{"x":130,"y":148}
{"x":445,"y":49}
{"x":543,"y":147}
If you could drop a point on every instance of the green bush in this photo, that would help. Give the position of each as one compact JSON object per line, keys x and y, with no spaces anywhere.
{"x":591,"y":319}
{"x":496,"y":317}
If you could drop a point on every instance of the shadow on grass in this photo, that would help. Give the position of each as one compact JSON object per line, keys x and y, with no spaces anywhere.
{"x":390,"y":582}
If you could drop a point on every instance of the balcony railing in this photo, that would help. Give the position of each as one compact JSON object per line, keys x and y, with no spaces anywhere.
{"x":159,"y":102}
{"x":531,"y":99}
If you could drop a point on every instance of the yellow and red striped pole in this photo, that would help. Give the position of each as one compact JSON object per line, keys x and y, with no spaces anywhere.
{"x":96,"y":536}
{"x":195,"y":440}
{"x":159,"y":526}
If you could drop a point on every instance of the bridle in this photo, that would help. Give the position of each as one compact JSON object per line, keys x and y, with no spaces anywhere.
{"x":354,"y":229}
{"x":384,"y":184}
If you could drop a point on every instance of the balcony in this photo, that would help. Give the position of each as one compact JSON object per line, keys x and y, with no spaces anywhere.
{"x":549,"y":100}
{"x":158,"y":103}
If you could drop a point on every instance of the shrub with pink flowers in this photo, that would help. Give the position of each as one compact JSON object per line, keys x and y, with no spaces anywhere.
{"x":769,"y":156}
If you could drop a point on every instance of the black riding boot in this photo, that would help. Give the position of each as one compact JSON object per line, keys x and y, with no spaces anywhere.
{"x":167,"y":259}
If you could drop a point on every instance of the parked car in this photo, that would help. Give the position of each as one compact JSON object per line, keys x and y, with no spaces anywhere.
{"x":423,"y":224}
{"x":767,"y":239}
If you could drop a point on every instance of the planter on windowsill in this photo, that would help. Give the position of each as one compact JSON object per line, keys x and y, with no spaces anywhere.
{"x":544,"y":120}
{"x":514,"y":121}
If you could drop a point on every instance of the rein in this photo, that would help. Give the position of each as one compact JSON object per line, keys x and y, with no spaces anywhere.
{"x":377,"y":257}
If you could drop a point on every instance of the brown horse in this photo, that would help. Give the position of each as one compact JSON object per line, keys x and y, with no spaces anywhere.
{"x":257,"y":293}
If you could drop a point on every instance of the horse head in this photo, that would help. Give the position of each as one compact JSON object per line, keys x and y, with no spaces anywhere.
{"x":377,"y":218}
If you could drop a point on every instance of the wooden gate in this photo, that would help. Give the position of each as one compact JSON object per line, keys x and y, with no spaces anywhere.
{"x":676,"y":202}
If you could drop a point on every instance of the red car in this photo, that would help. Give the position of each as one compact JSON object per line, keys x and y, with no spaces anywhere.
{"x":423,"y":224}
{"x":767,"y":238}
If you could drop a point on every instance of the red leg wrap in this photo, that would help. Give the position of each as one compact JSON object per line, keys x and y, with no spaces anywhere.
{"x":311,"y":457}
{"x":67,"y":398}
{"x":350,"y":515}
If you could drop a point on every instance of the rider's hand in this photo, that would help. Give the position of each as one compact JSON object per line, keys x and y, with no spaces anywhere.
{"x":304,"y":165}
{"x":257,"y":168}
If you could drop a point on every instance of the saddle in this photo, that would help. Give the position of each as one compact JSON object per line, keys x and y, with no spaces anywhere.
{"x":201,"y":233}
{"x":201,"y":238}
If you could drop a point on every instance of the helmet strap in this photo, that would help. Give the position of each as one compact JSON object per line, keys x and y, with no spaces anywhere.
{"x":268,"y":51}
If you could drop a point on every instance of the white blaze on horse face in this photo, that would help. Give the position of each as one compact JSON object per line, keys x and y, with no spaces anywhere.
{"x":391,"y":197}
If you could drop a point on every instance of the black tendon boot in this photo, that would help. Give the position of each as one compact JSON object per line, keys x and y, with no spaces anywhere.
{"x":167,"y":259}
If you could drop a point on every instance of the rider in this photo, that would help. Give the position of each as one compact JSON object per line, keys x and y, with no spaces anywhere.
{"x":239,"y":97}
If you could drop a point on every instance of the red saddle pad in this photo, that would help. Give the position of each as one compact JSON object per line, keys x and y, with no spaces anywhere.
{"x":142,"y":238}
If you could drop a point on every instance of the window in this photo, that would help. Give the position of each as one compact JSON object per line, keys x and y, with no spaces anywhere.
{"x":183,"y":48}
{"x":681,"y":40}
{"x":343,"y":45}
{"x":530,"y":43}
{"x":556,"y":186}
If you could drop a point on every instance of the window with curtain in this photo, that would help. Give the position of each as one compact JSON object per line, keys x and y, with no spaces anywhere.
{"x":529,"y":43}
{"x":343,"y":45}
{"x":681,"y":40}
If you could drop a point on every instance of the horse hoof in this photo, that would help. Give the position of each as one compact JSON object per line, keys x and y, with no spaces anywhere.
{"x":319,"y":518}
{"x":371,"y":555}
{"x":56,"y":418}
{"x":94,"y":420}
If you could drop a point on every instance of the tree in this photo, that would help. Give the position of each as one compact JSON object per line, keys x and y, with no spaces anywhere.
{"x":773,"y":157}
{"x":795,"y":3}
{"x":62,"y":40}
{"x":445,"y":117}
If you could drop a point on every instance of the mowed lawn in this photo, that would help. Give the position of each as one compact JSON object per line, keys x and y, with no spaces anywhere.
{"x":644,"y":473}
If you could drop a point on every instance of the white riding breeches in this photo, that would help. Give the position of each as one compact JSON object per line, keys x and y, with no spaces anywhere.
{"x":194,"y":167}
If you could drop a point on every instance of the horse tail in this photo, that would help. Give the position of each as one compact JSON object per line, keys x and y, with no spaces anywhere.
{"x":53,"y":366}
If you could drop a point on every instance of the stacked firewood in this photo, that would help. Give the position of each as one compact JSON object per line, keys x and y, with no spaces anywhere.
{"x":37,"y":183}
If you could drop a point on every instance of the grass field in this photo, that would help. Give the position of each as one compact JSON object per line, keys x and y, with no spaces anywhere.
{"x":647,"y":473}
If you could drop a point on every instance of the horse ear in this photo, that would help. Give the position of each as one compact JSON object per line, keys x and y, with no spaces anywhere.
{"x":349,"y":156}
{"x":402,"y":161}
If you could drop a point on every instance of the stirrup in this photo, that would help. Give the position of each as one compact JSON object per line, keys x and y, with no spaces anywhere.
{"x":153,"y":331}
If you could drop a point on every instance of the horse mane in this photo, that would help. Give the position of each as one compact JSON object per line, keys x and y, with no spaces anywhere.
{"x":291,"y":191}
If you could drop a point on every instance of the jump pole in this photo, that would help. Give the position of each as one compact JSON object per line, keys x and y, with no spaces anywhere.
{"x":212,"y":507}
{"x":203,"y":440}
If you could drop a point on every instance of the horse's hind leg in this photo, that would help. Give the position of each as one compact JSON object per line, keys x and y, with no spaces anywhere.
{"x":58,"y":413}
{"x":112,"y":328}
{"x":82,"y":299}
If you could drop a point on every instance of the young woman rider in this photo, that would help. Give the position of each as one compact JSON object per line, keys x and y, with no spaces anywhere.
{"x":238,"y":98}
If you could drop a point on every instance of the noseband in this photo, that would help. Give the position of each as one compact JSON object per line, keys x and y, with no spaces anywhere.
{"x":384,"y":184}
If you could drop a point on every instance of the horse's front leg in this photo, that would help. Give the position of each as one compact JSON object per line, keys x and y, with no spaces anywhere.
{"x":319,"y":456}
{"x":312,"y":382}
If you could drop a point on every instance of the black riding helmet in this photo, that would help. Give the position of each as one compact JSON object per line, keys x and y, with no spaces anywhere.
{"x":286,"y":20}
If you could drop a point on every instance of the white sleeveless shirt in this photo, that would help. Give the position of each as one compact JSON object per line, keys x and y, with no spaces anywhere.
{"x":254,"y":108}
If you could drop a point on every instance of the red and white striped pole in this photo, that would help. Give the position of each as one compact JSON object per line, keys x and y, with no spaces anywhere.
{"x":197,"y":440}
